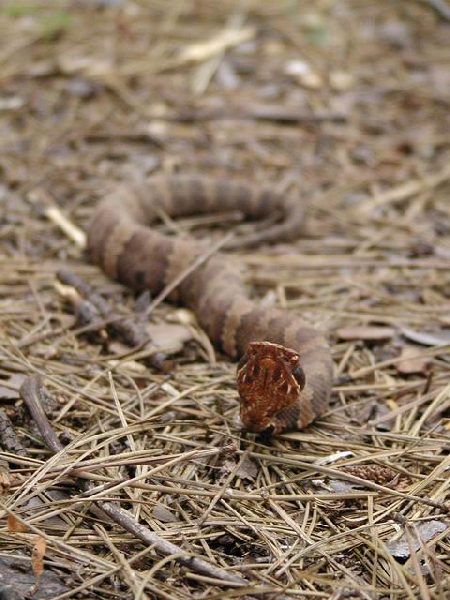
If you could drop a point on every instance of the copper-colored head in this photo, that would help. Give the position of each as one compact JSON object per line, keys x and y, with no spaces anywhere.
{"x":269,"y":378}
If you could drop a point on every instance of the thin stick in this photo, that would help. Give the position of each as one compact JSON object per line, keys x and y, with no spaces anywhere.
{"x":181,"y":276}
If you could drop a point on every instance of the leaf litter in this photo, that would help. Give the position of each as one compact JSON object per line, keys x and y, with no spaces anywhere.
{"x":344,"y":105}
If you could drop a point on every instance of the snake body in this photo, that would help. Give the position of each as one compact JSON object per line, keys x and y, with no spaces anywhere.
{"x":122,"y":243}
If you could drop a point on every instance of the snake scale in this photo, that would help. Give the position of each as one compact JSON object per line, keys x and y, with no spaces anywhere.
{"x":285,"y":369}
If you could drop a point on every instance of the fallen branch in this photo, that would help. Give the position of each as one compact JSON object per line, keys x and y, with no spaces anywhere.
{"x":32,"y":391}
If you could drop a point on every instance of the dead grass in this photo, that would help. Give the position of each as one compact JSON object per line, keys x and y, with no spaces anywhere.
{"x":344,"y":103}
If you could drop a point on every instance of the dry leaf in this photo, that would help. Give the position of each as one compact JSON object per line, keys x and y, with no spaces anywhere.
{"x":247,"y":469}
{"x":411,"y":361}
{"x":9,"y":388}
{"x":441,"y":337}
{"x":169,"y":337}
{"x":339,"y":486}
{"x":163,"y":514}
{"x":7,"y":394}
{"x":37,"y":557}
{"x":336,"y":486}
{"x":370,"y":334}
{"x":15,"y":525}
{"x":427,"y":530}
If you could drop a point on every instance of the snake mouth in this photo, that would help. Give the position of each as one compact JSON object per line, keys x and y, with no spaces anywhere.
{"x":263,"y":435}
{"x":267,"y":433}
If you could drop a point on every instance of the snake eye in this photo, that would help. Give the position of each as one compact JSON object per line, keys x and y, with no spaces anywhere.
{"x":299,"y":375}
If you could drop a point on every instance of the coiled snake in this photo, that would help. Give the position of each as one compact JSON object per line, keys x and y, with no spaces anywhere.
{"x":285,"y":368}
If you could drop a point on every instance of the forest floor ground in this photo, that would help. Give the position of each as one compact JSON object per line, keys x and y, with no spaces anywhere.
{"x":342,"y":104}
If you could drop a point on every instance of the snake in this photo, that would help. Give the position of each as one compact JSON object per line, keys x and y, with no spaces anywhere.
{"x":284,"y":370}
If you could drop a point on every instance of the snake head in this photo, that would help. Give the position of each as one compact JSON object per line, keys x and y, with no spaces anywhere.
{"x":269,"y":379}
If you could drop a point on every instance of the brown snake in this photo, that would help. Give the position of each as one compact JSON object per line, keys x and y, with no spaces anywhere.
{"x":285,"y":368}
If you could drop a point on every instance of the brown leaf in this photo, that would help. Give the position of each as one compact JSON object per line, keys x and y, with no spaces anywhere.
{"x":247,"y":469}
{"x":169,"y":337}
{"x":37,"y":557}
{"x":373,"y":334}
{"x":15,"y":525}
{"x":411,"y":361}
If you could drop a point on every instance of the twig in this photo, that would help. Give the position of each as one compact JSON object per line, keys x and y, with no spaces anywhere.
{"x":32,"y":391}
{"x":279,"y":113}
{"x":57,"y":217}
{"x":186,"y":272}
